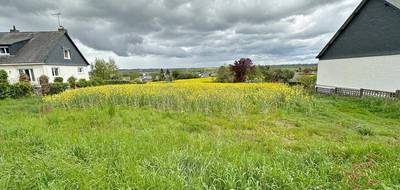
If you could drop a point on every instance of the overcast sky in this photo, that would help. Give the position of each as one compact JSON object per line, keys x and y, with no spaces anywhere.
{"x":187,"y":33}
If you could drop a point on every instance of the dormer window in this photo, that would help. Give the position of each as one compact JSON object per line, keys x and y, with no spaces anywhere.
{"x":67,"y":54}
{"x":4,"y":51}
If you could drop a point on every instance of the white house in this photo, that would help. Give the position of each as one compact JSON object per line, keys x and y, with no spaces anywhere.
{"x":365,"y":52}
{"x":53,"y":54}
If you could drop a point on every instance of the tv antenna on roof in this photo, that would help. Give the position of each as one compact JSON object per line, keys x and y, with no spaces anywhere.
{"x":59,"y":18}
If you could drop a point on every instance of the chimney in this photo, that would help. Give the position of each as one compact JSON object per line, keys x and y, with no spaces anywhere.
{"x":14,"y":29}
{"x":62,"y":29}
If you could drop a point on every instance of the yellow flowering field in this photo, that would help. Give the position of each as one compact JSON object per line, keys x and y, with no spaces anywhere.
{"x":196,"y":95}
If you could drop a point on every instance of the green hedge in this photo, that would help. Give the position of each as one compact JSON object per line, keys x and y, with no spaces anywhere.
{"x":72,"y":82}
{"x":58,"y":80}
{"x":95,"y":82}
{"x":58,"y":87}
{"x":82,"y":83}
{"x":111,"y":82}
{"x":23,"y":89}
{"x":20,"y":90}
{"x":4,"y":90}
{"x":3,"y":76}
{"x":308,"y":81}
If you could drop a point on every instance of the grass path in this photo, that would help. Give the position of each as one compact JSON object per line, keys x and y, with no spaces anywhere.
{"x":345,"y":144}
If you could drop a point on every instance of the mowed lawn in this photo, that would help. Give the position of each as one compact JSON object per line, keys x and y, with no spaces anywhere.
{"x":344,"y":143}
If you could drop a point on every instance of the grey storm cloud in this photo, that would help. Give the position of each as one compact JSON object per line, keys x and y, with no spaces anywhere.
{"x":192,"y":30}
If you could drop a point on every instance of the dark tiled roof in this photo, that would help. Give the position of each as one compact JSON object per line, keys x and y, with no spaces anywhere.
{"x":36,"y":49}
{"x":10,"y":38}
{"x":395,"y":3}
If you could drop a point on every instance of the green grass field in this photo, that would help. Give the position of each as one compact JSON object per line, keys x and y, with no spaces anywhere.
{"x":345,"y":143}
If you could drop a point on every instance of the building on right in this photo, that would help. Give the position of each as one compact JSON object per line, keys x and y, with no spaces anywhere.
{"x":365,"y":52}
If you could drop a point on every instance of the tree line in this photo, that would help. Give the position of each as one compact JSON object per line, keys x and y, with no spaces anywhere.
{"x":244,"y":70}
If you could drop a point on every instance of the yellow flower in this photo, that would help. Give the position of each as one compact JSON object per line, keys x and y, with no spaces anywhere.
{"x":188,"y":95}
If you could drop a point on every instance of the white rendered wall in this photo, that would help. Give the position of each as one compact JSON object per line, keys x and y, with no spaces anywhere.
{"x":13,"y":72}
{"x":40,"y":69}
{"x":375,"y":73}
{"x":66,"y":72}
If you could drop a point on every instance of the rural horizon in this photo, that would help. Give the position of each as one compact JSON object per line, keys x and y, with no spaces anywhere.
{"x":215,"y":67}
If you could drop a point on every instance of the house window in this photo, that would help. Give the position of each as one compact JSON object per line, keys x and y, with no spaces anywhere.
{"x":67,"y":54}
{"x":55,"y":72}
{"x":80,"y":69}
{"x":4,"y":51}
{"x":29,"y":73}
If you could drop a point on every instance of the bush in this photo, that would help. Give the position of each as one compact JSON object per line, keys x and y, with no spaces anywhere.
{"x":224,"y":75}
{"x":4,"y":86}
{"x":58,"y":87}
{"x":24,"y":78}
{"x":278,"y":75}
{"x":308,"y":81}
{"x":155,"y":76}
{"x":187,"y":75}
{"x":176,"y":74}
{"x":43,"y":80}
{"x":256,"y":75}
{"x":95,"y":82}
{"x":116,"y":82}
{"x":365,"y":131}
{"x":134,"y":75}
{"x":21,"y":89}
{"x":182,"y":74}
{"x":72,"y":82}
{"x":59,"y":79}
{"x":82,"y":83}
{"x":44,"y":83}
{"x":4,"y":90}
{"x":162,"y":75}
{"x":242,"y":69}
{"x":3,"y":76}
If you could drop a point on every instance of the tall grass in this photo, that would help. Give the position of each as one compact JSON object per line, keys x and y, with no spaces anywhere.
{"x":119,"y":147}
{"x":191,"y":95}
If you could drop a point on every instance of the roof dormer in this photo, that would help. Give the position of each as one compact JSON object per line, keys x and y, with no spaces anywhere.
{"x":4,"y":50}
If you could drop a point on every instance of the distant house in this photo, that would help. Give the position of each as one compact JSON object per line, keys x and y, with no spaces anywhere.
{"x":146,"y":78}
{"x":126,"y":78}
{"x":365,"y":52}
{"x":205,"y":74}
{"x":53,"y":54}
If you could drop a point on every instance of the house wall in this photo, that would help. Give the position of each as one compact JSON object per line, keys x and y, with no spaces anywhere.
{"x":13,"y":72}
{"x":375,"y":73}
{"x":374,"y":31}
{"x":39,"y":70}
{"x":66,"y":72}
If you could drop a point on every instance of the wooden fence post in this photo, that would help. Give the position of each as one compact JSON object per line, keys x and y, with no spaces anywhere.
{"x":361,"y":92}
{"x":397,"y":93}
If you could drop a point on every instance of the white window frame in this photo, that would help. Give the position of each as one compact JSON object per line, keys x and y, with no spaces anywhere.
{"x":30,"y":73}
{"x":55,"y":72}
{"x":6,"y":51}
{"x":67,"y":54}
